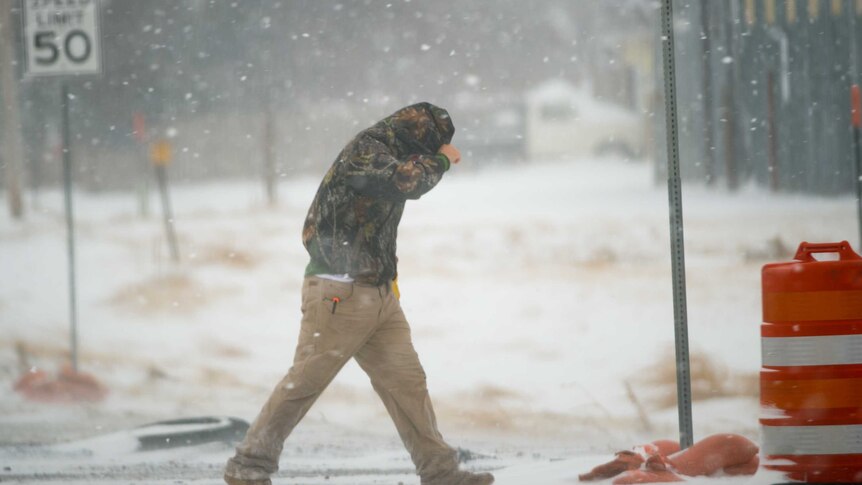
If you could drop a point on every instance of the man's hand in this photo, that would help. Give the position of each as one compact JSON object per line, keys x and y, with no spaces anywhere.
{"x":451,"y":153}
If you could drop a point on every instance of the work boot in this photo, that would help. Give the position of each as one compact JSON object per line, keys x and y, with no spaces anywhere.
{"x":459,"y":477}
{"x":240,"y":481}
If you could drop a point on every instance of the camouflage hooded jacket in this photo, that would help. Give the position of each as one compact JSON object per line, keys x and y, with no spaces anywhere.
{"x":352,"y":223}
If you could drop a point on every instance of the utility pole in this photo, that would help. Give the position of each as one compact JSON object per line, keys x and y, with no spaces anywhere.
{"x":12,"y":153}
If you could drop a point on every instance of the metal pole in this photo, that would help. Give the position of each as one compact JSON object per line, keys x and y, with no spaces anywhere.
{"x":858,"y":156}
{"x":674,"y":190}
{"x":70,"y":222}
{"x":856,"y":115}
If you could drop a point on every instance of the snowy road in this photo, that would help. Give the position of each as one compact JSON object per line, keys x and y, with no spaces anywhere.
{"x":327,"y":456}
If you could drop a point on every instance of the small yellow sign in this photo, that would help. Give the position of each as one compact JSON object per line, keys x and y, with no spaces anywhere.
{"x":160,"y":153}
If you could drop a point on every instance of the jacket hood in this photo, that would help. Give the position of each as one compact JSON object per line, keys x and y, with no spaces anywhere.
{"x":421,"y":129}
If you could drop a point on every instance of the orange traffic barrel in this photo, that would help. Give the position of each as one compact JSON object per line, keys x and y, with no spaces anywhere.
{"x":811,"y":379}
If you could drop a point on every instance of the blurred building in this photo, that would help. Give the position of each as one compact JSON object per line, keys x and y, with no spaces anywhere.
{"x":563,"y":121}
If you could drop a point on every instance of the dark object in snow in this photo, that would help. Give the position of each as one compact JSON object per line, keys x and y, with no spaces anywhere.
{"x":190,"y":432}
{"x":464,"y":455}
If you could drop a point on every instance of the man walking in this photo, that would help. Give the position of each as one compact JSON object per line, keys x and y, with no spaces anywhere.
{"x":349,"y":305}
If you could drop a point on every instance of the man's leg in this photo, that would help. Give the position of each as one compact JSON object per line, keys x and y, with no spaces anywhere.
{"x":327,"y":340}
{"x":391,"y":362}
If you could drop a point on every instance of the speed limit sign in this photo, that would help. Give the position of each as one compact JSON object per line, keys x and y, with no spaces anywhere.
{"x":62,"y":37}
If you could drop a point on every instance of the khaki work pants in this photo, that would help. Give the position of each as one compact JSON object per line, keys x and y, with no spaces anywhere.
{"x":340,"y":321}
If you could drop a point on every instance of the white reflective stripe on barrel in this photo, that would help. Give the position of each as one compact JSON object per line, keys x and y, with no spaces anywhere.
{"x":828,"y":350}
{"x":812,"y":440}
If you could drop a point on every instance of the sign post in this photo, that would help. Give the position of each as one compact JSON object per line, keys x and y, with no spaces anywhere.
{"x":70,"y":225}
{"x":161,"y":155}
{"x":674,"y":190}
{"x":62,"y":39}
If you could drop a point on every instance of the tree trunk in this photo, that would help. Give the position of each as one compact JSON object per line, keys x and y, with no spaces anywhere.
{"x":12,"y":153}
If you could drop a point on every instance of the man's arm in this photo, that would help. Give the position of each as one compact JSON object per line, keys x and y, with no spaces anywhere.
{"x":375,"y":172}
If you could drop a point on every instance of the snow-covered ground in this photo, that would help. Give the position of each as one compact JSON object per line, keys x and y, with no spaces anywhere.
{"x":539,"y":296}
